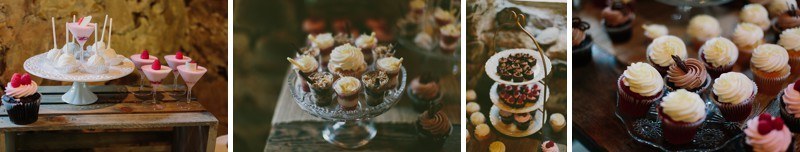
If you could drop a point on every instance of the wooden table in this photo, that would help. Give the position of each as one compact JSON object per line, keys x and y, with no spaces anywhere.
{"x":117,"y":120}
{"x":594,"y":90}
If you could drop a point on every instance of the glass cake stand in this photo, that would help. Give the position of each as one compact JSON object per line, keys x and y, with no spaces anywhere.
{"x":715,"y":133}
{"x":350,"y":129}
{"x":78,"y":94}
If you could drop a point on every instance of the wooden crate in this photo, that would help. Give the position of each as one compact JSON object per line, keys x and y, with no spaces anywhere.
{"x":117,"y":119}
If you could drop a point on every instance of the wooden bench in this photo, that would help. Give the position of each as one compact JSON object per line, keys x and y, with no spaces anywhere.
{"x":117,"y":120}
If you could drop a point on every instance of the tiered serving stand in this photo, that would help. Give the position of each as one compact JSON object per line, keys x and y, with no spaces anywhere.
{"x":349,"y":128}
{"x":541,"y":71}
{"x":78,"y":94}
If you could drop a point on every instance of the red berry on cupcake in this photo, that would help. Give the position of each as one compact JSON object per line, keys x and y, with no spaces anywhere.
{"x":777,"y":123}
{"x":25,"y":79}
{"x":15,"y":80}
{"x":764,"y":127}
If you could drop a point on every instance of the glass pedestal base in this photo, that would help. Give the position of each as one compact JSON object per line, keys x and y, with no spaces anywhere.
{"x":350,"y":134}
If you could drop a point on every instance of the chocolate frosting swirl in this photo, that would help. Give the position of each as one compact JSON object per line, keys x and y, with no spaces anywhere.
{"x":693,"y":77}
{"x":438,"y":125}
{"x":789,"y":19}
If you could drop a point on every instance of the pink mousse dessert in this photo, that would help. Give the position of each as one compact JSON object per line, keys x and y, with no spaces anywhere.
{"x":156,"y":72}
{"x":142,"y":59}
{"x":175,"y":60}
{"x":191,"y":73}
{"x":82,"y":29}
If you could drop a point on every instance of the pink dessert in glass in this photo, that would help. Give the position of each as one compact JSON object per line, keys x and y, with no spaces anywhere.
{"x":191,"y":73}
{"x":173,"y":61}
{"x":140,"y":60}
{"x":82,"y":30}
{"x":155,"y":73}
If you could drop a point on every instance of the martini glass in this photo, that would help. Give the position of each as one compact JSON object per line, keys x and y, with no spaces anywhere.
{"x":190,"y":77}
{"x":138,"y":62}
{"x":173,"y":63}
{"x":82,"y":34}
{"x":155,"y":76}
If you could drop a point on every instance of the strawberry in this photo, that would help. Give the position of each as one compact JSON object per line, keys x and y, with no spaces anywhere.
{"x":764,"y":116}
{"x":156,"y":65}
{"x":777,"y":123}
{"x":764,"y":127}
{"x":145,"y":55}
{"x":179,"y":55}
{"x":796,"y":85}
{"x":26,"y":79}
{"x":15,"y":80}
{"x":549,"y":144}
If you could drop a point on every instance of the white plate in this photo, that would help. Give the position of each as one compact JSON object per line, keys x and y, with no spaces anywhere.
{"x":538,"y":69}
{"x":528,"y":106}
{"x":511,"y":129}
{"x":40,"y":66}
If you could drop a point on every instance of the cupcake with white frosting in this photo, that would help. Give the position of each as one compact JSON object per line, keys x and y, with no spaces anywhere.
{"x":790,"y":40}
{"x":654,"y":31}
{"x":756,"y":14}
{"x":661,"y":50}
{"x":322,"y":41}
{"x":747,"y":36}
{"x":770,"y":66}
{"x":638,"y":88}
{"x":681,"y":113}
{"x":347,"y":91}
{"x":719,"y":55}
{"x":734,"y":93}
{"x":702,"y":28}
{"x":347,"y":60}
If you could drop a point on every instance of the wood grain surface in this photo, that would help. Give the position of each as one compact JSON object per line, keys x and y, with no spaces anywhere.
{"x":306,"y":136}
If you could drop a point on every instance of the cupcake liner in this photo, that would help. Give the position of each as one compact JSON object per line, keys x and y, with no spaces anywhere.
{"x":736,"y":112}
{"x":677,"y":132}
{"x":794,"y":64}
{"x":621,"y":33}
{"x":582,"y":54}
{"x":791,"y":122}
{"x":25,"y":111}
{"x":700,"y":91}
{"x":769,"y":85}
{"x":661,"y":70}
{"x":714,"y":72}
{"x":634,"y":106}
{"x":523,"y":125}
{"x":430,"y":141}
{"x":744,"y":57}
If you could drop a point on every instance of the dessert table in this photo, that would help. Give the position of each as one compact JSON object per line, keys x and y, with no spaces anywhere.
{"x":118,"y":119}
{"x":594,"y":92}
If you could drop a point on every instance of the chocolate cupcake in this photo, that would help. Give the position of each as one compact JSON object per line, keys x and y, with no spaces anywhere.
{"x":681,"y":113}
{"x":516,"y":67}
{"x":21,"y":100}
{"x":734,"y":93}
{"x":522,"y":120}
{"x":790,"y":106}
{"x":516,"y":96}
{"x":424,"y":89}
{"x":321,"y":85}
{"x":506,"y":117}
{"x":638,"y":88}
{"x":617,"y":19}
{"x":767,"y":133}
{"x":581,"y":42}
{"x":719,"y":55}
{"x":376,"y":85}
{"x":690,"y":75}
{"x":433,"y":127}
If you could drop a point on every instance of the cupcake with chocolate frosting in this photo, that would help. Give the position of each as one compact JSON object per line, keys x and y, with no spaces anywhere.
{"x":581,"y":42}
{"x":789,"y":19}
{"x":433,"y":127}
{"x":747,"y":37}
{"x":617,"y":19}
{"x":790,"y":106}
{"x":681,"y":113}
{"x":638,"y":88}
{"x":734,"y":93}
{"x":21,"y":99}
{"x":767,"y":133}
{"x":689,"y":74}
{"x":424,"y":89}
{"x":770,"y":66}
{"x":719,"y":55}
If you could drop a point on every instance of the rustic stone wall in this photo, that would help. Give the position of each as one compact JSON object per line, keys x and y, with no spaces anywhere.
{"x":198,"y":27}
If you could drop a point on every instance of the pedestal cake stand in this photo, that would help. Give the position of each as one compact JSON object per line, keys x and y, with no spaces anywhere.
{"x":350,"y":128}
{"x":78,"y":94}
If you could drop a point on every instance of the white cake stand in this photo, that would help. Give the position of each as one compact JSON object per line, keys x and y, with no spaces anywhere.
{"x":78,"y":94}
{"x":511,"y":130}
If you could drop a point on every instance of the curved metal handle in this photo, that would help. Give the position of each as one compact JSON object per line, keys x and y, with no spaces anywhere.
{"x":519,"y":19}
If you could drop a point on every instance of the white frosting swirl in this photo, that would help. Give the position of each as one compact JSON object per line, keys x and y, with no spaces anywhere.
{"x":22,"y":90}
{"x":347,"y":57}
{"x":643,"y":79}
{"x":654,"y":31}
{"x":366,"y":41}
{"x":304,"y":63}
{"x":733,"y":88}
{"x":683,"y":106}
{"x":720,"y":52}
{"x":747,"y":34}
{"x":450,"y":29}
{"x":790,"y":39}
{"x":756,"y":14}
{"x":390,"y":64}
{"x":660,"y":51}
{"x":322,"y":41}
{"x":704,"y":27}
{"x":347,"y":86}
{"x":770,"y":57}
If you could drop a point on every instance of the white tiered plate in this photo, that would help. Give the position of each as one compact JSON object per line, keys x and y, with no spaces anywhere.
{"x":511,"y":129}
{"x":538,"y":69}
{"x":528,"y":106}
{"x":40,"y":66}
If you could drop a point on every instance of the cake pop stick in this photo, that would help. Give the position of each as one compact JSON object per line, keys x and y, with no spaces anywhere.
{"x":66,"y":33}
{"x":73,"y":20}
{"x":103,"y":35}
{"x":110,"y":25}
{"x":53,"y":22}
{"x":95,"y":36}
